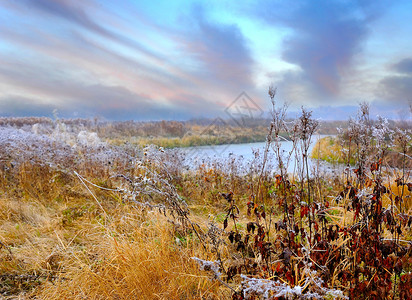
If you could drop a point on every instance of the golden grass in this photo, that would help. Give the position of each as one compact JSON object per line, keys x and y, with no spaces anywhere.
{"x":398,"y":191}
{"x":64,"y":247}
{"x":135,"y":260}
{"x":328,"y":149}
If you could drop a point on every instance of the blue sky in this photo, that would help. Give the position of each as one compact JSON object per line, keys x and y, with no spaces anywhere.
{"x":152,"y":60}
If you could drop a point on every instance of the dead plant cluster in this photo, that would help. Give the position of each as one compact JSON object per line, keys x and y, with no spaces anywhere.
{"x":304,"y":242}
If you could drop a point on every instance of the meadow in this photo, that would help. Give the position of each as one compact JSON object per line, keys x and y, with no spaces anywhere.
{"x":83,"y":217}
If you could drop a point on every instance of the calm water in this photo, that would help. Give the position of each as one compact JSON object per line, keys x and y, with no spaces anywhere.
{"x":245,"y":151}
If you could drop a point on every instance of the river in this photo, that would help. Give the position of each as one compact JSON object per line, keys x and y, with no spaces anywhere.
{"x":247,"y":152}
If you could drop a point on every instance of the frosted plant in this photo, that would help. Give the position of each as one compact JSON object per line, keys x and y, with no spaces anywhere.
{"x":381,"y":132}
{"x":18,"y":146}
{"x":23,"y":146}
{"x":88,"y":138}
{"x":152,"y":187}
{"x":402,"y":138}
{"x":214,"y":233}
{"x":62,"y":133}
{"x":277,"y":125}
{"x":212,"y":266}
{"x":305,"y":127}
{"x":311,"y":288}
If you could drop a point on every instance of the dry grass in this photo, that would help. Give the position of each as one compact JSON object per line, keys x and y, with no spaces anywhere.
{"x":58,"y":243}
{"x":79,"y":252}
{"x":134,"y":260}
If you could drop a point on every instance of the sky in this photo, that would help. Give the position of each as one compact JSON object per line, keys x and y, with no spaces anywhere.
{"x":154,"y":60}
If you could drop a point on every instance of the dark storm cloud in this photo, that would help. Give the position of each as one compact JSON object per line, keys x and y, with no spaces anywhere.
{"x":221,"y":49}
{"x":397,"y":87}
{"x":325,"y":39}
{"x":404,"y":66}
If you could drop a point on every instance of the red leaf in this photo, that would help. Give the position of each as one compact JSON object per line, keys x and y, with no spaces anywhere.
{"x":304,"y":211}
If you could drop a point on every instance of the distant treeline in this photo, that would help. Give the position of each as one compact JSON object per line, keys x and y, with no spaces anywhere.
{"x":166,"y":133}
{"x":151,"y":128}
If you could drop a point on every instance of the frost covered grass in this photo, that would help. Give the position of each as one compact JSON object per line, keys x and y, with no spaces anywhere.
{"x":80,"y":218}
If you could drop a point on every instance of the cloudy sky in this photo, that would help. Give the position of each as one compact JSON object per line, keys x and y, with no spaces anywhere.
{"x":185,"y":59}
